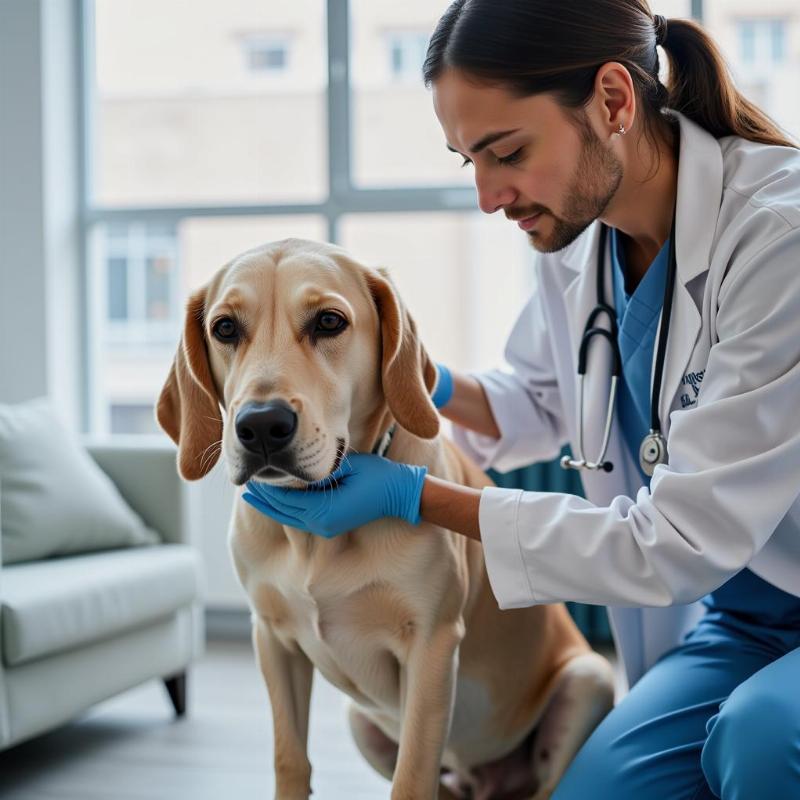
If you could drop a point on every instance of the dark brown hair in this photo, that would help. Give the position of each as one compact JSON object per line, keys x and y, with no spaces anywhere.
{"x":549,"y":46}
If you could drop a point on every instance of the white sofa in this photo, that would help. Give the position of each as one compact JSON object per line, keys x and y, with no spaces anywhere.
{"x":76,"y":630}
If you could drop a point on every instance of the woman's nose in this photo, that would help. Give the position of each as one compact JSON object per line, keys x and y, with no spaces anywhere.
{"x":493,"y":194}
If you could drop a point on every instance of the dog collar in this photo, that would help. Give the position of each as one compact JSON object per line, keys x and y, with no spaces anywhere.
{"x":384,"y":442}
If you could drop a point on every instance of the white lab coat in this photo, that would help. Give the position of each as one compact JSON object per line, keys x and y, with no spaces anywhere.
{"x":729,"y":406}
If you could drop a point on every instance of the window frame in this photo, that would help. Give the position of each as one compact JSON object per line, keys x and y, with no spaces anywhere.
{"x":137,"y":327}
{"x":344,"y":196}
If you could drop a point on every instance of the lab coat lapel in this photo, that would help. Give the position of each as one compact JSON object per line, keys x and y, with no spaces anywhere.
{"x":699,"y":199}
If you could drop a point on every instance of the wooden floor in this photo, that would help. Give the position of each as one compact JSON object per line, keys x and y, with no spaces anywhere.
{"x":131,"y":748}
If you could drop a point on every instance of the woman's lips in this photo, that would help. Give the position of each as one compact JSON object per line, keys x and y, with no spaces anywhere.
{"x":528,"y":223}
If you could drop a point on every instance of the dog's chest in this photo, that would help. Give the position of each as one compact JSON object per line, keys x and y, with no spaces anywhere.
{"x":330,"y":607}
{"x":356,"y":629}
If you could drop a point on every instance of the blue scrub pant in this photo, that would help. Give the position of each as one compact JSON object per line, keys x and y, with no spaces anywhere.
{"x":717,"y":717}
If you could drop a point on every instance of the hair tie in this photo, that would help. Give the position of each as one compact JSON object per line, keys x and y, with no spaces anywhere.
{"x":660,"y":25}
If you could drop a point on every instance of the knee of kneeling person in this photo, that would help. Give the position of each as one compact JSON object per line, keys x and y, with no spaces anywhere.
{"x":749,"y":736}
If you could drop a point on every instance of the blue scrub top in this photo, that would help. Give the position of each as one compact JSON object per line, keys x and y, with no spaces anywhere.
{"x":637,"y":323}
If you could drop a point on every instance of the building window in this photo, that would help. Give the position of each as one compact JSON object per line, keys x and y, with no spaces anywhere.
{"x":762,"y":42}
{"x":406,"y":55}
{"x":267,"y":54}
{"x":141,"y":280}
{"x":117,"y":288}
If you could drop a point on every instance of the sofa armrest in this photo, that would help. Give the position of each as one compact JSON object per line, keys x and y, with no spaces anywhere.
{"x":145,"y":472}
{"x":5,"y":734}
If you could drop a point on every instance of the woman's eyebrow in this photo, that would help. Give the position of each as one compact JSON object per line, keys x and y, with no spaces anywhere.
{"x":490,"y":138}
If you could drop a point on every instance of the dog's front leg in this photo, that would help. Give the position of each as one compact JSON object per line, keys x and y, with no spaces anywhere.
{"x":427,"y":691}
{"x":288,"y":674}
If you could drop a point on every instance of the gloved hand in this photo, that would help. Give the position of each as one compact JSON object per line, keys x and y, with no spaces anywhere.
{"x":443,"y":390}
{"x":367,"y":487}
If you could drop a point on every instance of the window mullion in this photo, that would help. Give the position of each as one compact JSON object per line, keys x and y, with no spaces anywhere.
{"x":338,"y":12}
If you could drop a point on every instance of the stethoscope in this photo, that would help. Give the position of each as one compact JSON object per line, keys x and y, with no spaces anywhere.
{"x":653,"y":450}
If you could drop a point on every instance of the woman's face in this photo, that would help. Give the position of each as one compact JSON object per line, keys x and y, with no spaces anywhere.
{"x":544,"y":167}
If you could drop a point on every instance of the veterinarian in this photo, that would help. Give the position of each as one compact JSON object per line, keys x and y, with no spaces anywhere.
{"x":667,"y":218}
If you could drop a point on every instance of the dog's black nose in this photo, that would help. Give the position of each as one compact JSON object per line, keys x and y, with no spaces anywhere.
{"x":266,"y":426}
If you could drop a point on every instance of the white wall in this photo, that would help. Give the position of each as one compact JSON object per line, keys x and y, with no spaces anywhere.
{"x":40,"y":297}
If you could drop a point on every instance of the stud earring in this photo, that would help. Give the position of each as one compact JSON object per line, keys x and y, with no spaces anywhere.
{"x":621,"y":131}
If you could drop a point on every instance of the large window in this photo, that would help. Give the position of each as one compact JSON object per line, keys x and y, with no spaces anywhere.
{"x":207,"y":103}
{"x":250,"y":121}
{"x":245,"y":121}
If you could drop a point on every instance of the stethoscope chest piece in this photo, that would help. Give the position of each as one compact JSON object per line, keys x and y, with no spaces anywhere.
{"x":652,"y":452}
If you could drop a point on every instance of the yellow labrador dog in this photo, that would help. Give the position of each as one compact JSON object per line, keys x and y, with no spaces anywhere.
{"x":292,"y":355}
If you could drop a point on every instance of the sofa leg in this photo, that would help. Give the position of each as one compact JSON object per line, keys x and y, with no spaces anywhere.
{"x":176,"y":687}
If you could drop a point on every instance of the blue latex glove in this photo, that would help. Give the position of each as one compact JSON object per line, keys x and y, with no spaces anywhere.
{"x":444,"y":387}
{"x":367,"y":488}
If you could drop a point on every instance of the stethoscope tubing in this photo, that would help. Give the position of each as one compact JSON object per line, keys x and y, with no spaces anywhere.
{"x":590,"y":331}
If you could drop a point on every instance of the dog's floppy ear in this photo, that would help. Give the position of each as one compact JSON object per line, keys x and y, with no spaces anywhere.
{"x":188,"y":407}
{"x":408,"y":375}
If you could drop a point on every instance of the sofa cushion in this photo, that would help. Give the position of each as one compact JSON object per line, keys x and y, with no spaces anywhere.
{"x":54,"y":500}
{"x":57,"y":604}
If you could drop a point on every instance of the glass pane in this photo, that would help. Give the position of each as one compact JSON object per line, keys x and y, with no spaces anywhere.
{"x":117,"y":288}
{"x":463,"y":276}
{"x":213,"y":102}
{"x":397,"y":140}
{"x":756,"y":43}
{"x":159,"y":271}
{"x":131,"y":354}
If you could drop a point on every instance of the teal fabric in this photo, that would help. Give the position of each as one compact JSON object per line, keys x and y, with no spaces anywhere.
{"x":637,"y":321}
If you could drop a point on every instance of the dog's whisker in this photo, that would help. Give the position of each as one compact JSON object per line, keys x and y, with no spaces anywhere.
{"x":346,"y":460}
{"x":206,"y":457}
{"x":216,"y":443}
{"x":311,"y":460}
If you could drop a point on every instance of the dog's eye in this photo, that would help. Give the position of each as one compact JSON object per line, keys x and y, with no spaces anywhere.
{"x":225,"y":330}
{"x":328,"y":322}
